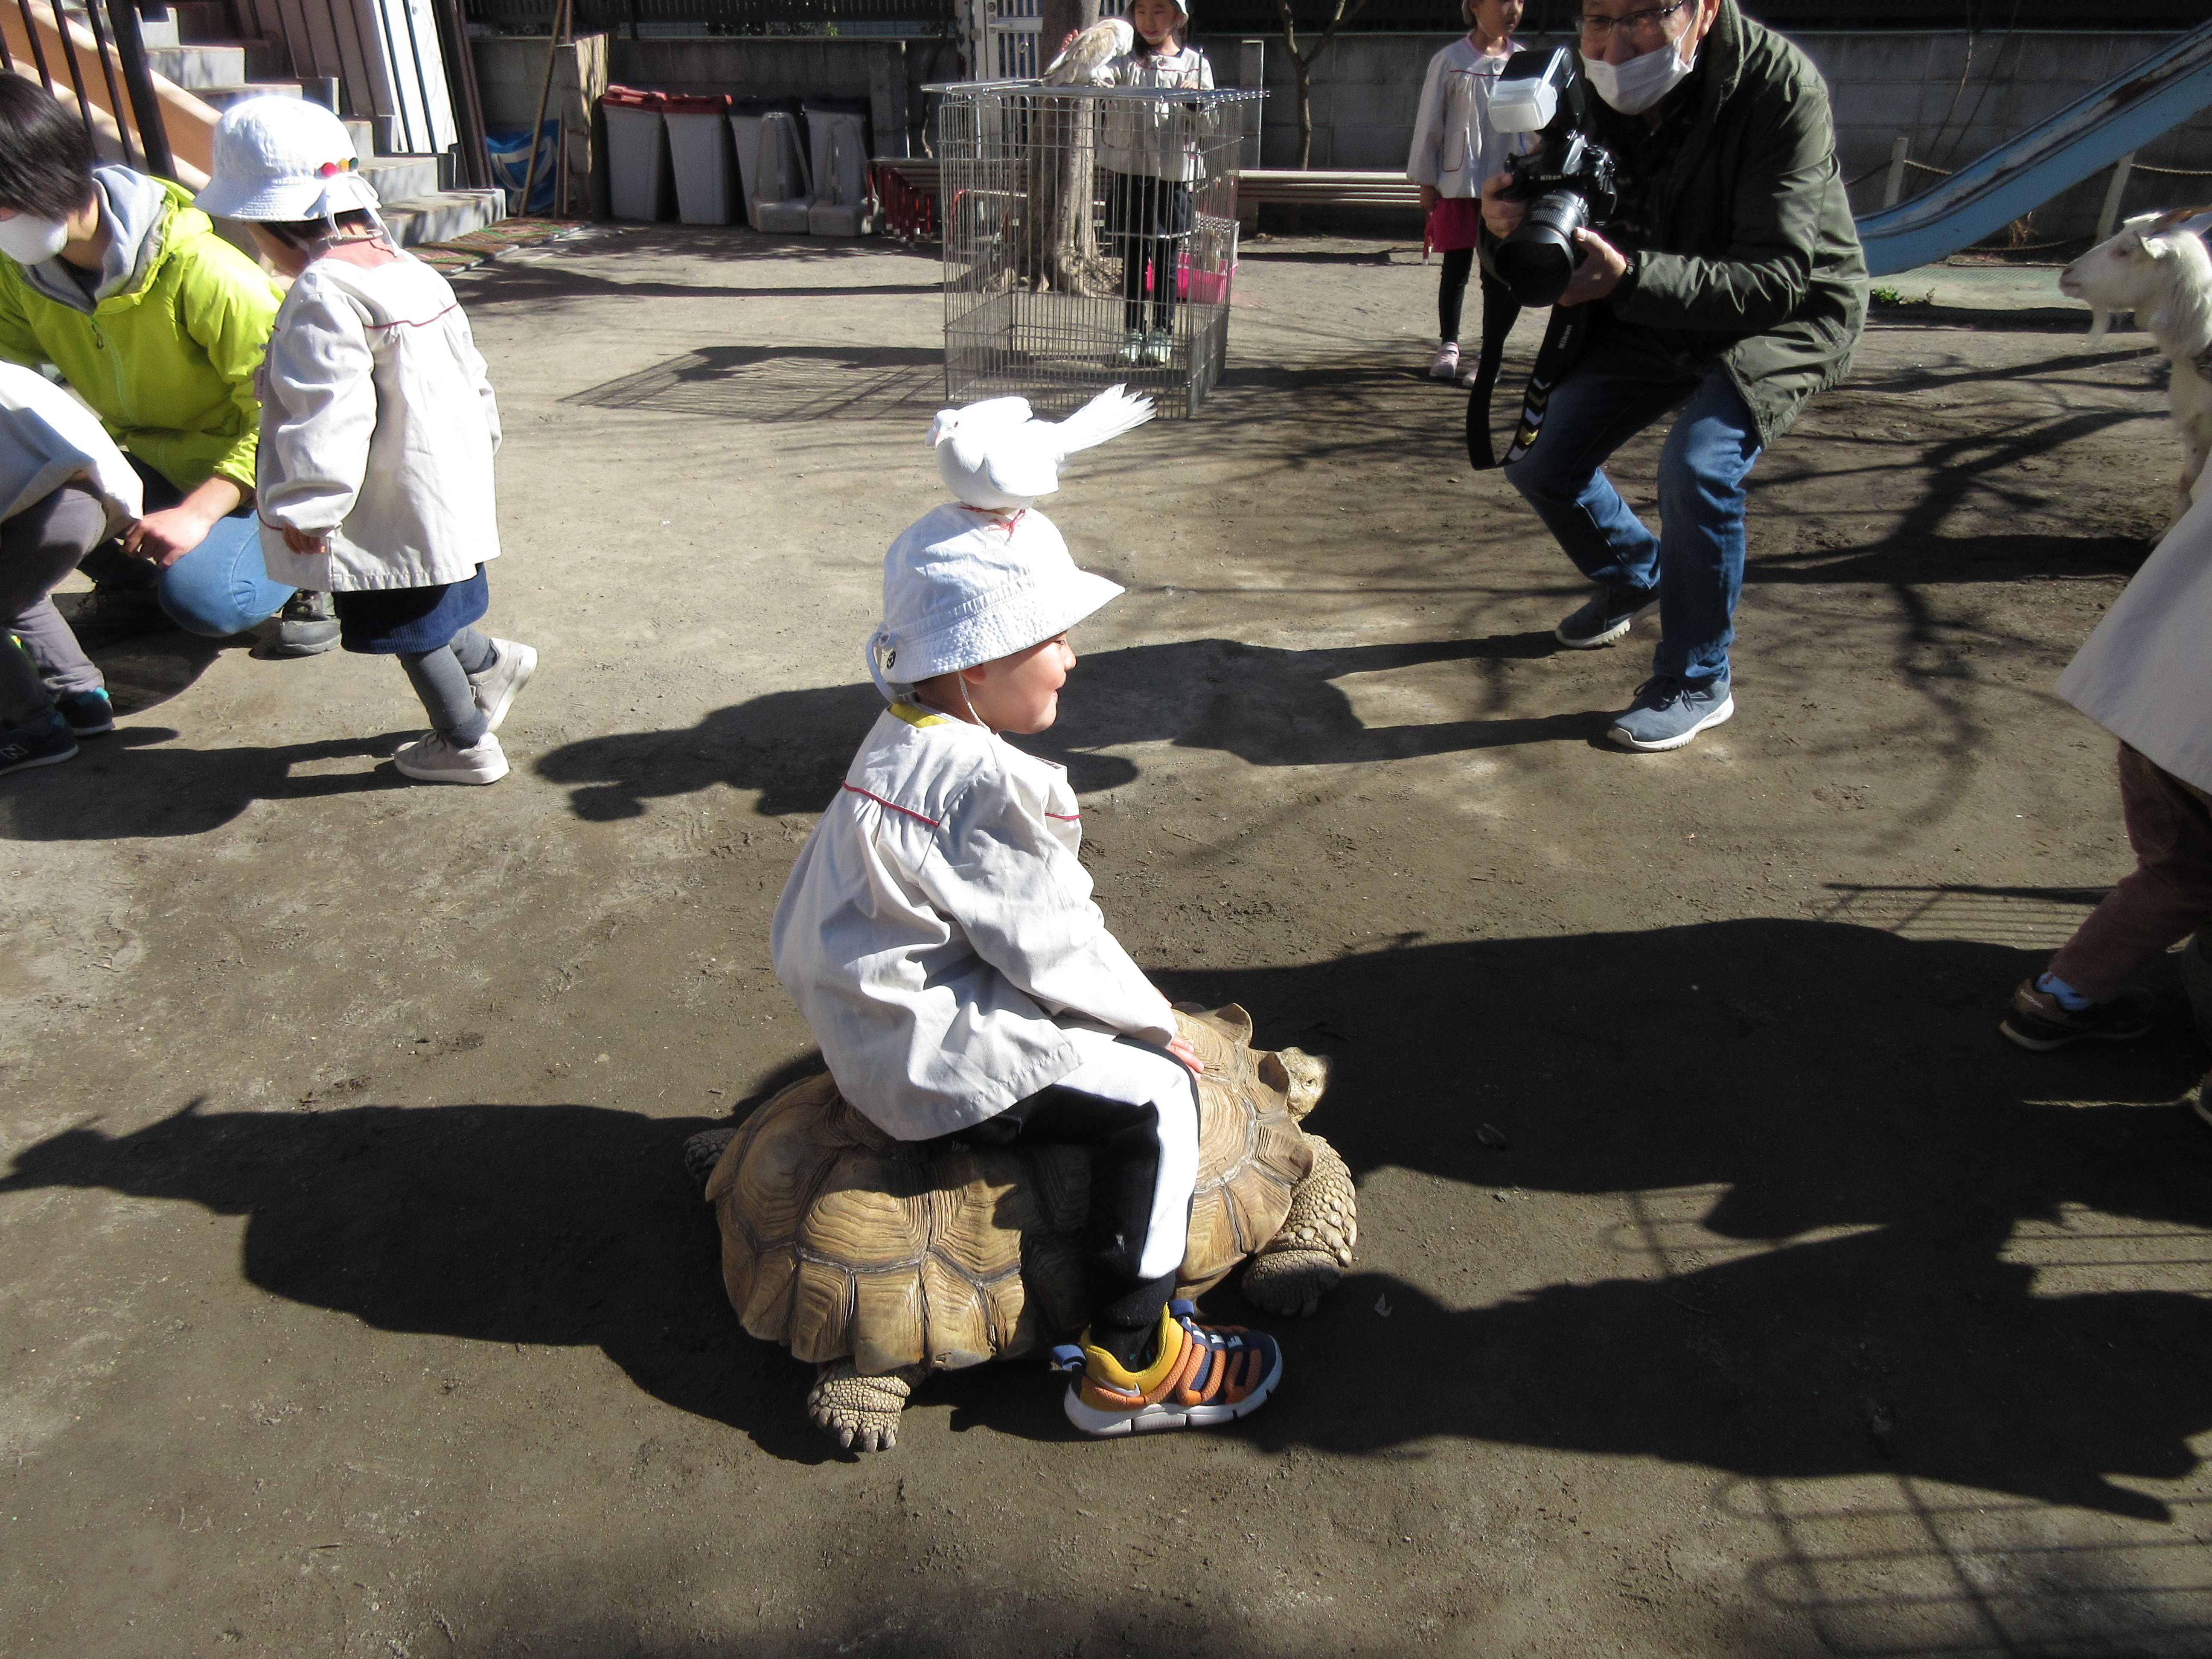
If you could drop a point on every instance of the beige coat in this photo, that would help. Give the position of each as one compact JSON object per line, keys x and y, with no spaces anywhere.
{"x":378,"y":428}
{"x":938,"y":932}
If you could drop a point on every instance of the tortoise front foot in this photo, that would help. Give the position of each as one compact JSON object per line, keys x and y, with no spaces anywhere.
{"x":861,"y":1414}
{"x":1305,"y":1261}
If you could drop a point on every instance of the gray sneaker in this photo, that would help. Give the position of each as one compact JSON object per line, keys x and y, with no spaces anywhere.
{"x":495,"y":686}
{"x":1159,"y":347}
{"x":111,"y":614}
{"x":1604,"y":620}
{"x":307,"y":626}
{"x":1668,"y":712}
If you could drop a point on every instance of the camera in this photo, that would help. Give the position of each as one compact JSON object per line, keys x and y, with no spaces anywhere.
{"x":1567,"y":181}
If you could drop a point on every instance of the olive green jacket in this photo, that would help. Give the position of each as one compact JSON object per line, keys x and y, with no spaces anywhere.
{"x":167,"y":363}
{"x":1755,"y":257}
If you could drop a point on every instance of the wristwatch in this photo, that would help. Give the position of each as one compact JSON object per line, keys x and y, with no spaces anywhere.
{"x":1635,"y":265}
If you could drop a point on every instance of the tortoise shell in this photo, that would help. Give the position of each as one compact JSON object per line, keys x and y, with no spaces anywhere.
{"x":843,"y":1243}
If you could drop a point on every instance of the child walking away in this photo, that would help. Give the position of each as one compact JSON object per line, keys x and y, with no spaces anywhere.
{"x":1145,"y":146}
{"x":938,"y":933}
{"x":64,"y":488}
{"x":377,"y":435}
{"x":2146,"y":676}
{"x":1454,"y":149}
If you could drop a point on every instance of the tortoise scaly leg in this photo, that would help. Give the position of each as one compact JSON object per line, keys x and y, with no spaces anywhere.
{"x":704,"y":1150}
{"x":861,"y":1414}
{"x":1293,"y":1270}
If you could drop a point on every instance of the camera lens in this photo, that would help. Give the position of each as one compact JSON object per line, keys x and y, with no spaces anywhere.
{"x":1536,"y":261}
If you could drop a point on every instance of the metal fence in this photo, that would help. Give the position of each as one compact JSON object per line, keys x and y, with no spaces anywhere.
{"x":115,"y":85}
{"x":1090,"y":237}
{"x":740,"y":17}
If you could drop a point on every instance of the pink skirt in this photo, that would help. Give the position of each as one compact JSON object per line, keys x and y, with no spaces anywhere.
{"x":1455,"y":221}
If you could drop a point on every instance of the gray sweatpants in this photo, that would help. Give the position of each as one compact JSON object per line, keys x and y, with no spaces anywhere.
{"x":39,"y":548}
{"x":440,"y":678}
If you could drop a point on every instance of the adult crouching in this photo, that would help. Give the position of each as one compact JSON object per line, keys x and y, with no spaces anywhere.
{"x":159,"y":325}
{"x":1729,"y":286}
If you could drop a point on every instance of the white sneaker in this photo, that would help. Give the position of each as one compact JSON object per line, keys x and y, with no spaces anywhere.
{"x":434,"y":759}
{"x":1132,"y":348}
{"x":509,"y":672}
{"x":1446,"y":364}
{"x":1159,"y":346}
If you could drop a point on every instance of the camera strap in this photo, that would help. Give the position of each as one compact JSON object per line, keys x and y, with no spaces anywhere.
{"x":1566,"y":337}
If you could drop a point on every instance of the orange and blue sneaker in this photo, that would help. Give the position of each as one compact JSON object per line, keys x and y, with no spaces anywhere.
{"x":1202,"y":1375}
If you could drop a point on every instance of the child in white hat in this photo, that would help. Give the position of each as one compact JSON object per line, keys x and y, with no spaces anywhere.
{"x":378,"y":427}
{"x":938,"y":935}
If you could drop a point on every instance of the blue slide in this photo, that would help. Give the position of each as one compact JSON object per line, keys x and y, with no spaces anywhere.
{"x":2088,"y":134}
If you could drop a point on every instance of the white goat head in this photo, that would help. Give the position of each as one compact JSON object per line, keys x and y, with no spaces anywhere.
{"x":2155,"y":258}
{"x":2158,"y":268}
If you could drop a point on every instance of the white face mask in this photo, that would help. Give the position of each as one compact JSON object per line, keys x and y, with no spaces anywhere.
{"x":28,"y":241}
{"x":1633,"y":87}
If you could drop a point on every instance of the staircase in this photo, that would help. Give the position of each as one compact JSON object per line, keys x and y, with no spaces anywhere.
{"x":186,"y":47}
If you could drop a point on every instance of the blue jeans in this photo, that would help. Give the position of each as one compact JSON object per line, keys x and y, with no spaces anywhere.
{"x":1626,"y":381}
{"x":220,"y":588}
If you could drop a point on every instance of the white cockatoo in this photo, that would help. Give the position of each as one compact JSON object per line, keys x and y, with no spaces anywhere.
{"x":1091,"y":50}
{"x":997,"y":454}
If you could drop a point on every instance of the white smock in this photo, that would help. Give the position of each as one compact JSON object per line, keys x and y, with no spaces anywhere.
{"x":1454,"y":146}
{"x":378,"y":428}
{"x":48,"y":438}
{"x":2146,"y":674}
{"x":1156,"y":138}
{"x":938,"y":936}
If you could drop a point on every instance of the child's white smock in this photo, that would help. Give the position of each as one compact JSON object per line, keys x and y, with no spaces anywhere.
{"x":938,"y":928}
{"x":48,"y":438}
{"x":1454,"y":146}
{"x":2146,"y":674}
{"x":1153,"y":137}
{"x":378,"y":428}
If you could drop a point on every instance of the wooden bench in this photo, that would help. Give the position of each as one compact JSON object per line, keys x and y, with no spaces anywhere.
{"x":1313,"y":187}
{"x":909,"y":189}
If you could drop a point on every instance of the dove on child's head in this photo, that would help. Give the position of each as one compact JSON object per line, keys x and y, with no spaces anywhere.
{"x":997,"y":454}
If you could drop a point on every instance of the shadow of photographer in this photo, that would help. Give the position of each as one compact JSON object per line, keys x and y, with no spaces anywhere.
{"x":1267,"y":706}
{"x":1823,"y":1246}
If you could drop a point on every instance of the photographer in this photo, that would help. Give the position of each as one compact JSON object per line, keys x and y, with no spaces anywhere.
{"x":1728,"y":285}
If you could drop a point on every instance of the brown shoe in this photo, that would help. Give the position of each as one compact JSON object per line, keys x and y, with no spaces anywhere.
{"x":109,"y":615}
{"x":2040,"y":1021}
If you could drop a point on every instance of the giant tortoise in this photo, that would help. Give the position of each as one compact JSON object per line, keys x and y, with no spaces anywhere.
{"x":882,"y":1260}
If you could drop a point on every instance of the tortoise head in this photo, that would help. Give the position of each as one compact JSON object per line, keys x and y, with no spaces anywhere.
{"x":1300,"y":1076}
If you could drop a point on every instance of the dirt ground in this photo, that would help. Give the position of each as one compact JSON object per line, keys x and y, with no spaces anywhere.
{"x":354,"y":1303}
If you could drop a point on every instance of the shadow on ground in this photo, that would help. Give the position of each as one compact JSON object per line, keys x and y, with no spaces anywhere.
{"x":1267,"y":706}
{"x":1819,"y":1266}
{"x":142,"y":781}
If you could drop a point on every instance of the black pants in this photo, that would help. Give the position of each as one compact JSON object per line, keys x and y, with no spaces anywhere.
{"x":1124,"y":1144}
{"x":1147,"y":221}
{"x":1500,"y":314}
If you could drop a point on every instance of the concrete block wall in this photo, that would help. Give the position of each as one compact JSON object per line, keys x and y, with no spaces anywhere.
{"x":1955,"y":95}
{"x":511,"y":79}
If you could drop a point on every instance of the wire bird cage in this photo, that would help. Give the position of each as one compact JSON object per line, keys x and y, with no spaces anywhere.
{"x":1090,"y":238}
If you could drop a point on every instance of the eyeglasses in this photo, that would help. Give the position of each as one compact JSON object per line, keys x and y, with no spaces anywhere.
{"x":1646,"y":22}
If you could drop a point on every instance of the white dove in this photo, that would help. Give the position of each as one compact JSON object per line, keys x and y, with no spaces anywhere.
{"x":997,"y":454}
{"x":1093,"y":47}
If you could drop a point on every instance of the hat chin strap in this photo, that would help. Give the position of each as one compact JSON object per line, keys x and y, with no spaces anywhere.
{"x":962,"y":680}
{"x":880,"y":644}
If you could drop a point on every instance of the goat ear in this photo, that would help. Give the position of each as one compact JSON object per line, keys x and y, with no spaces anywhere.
{"x":2158,"y":247}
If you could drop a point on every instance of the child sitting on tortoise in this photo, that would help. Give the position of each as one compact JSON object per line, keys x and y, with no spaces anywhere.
{"x":938,"y":935}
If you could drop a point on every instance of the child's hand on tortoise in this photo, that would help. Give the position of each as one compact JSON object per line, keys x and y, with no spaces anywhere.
{"x":1182,"y":1050}
{"x":301,"y":541}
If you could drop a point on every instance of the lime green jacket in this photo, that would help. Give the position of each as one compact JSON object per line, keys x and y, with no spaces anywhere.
{"x":168,"y":364}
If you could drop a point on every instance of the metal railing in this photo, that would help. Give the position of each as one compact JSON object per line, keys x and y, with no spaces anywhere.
{"x":118,"y":50}
{"x":739,"y":17}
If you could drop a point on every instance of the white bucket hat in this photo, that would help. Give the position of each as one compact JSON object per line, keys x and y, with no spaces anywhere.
{"x":283,"y":161}
{"x":972,"y":598}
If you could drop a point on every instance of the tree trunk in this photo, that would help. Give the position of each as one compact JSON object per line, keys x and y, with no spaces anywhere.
{"x":1062,"y":247}
{"x":1304,"y":69}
